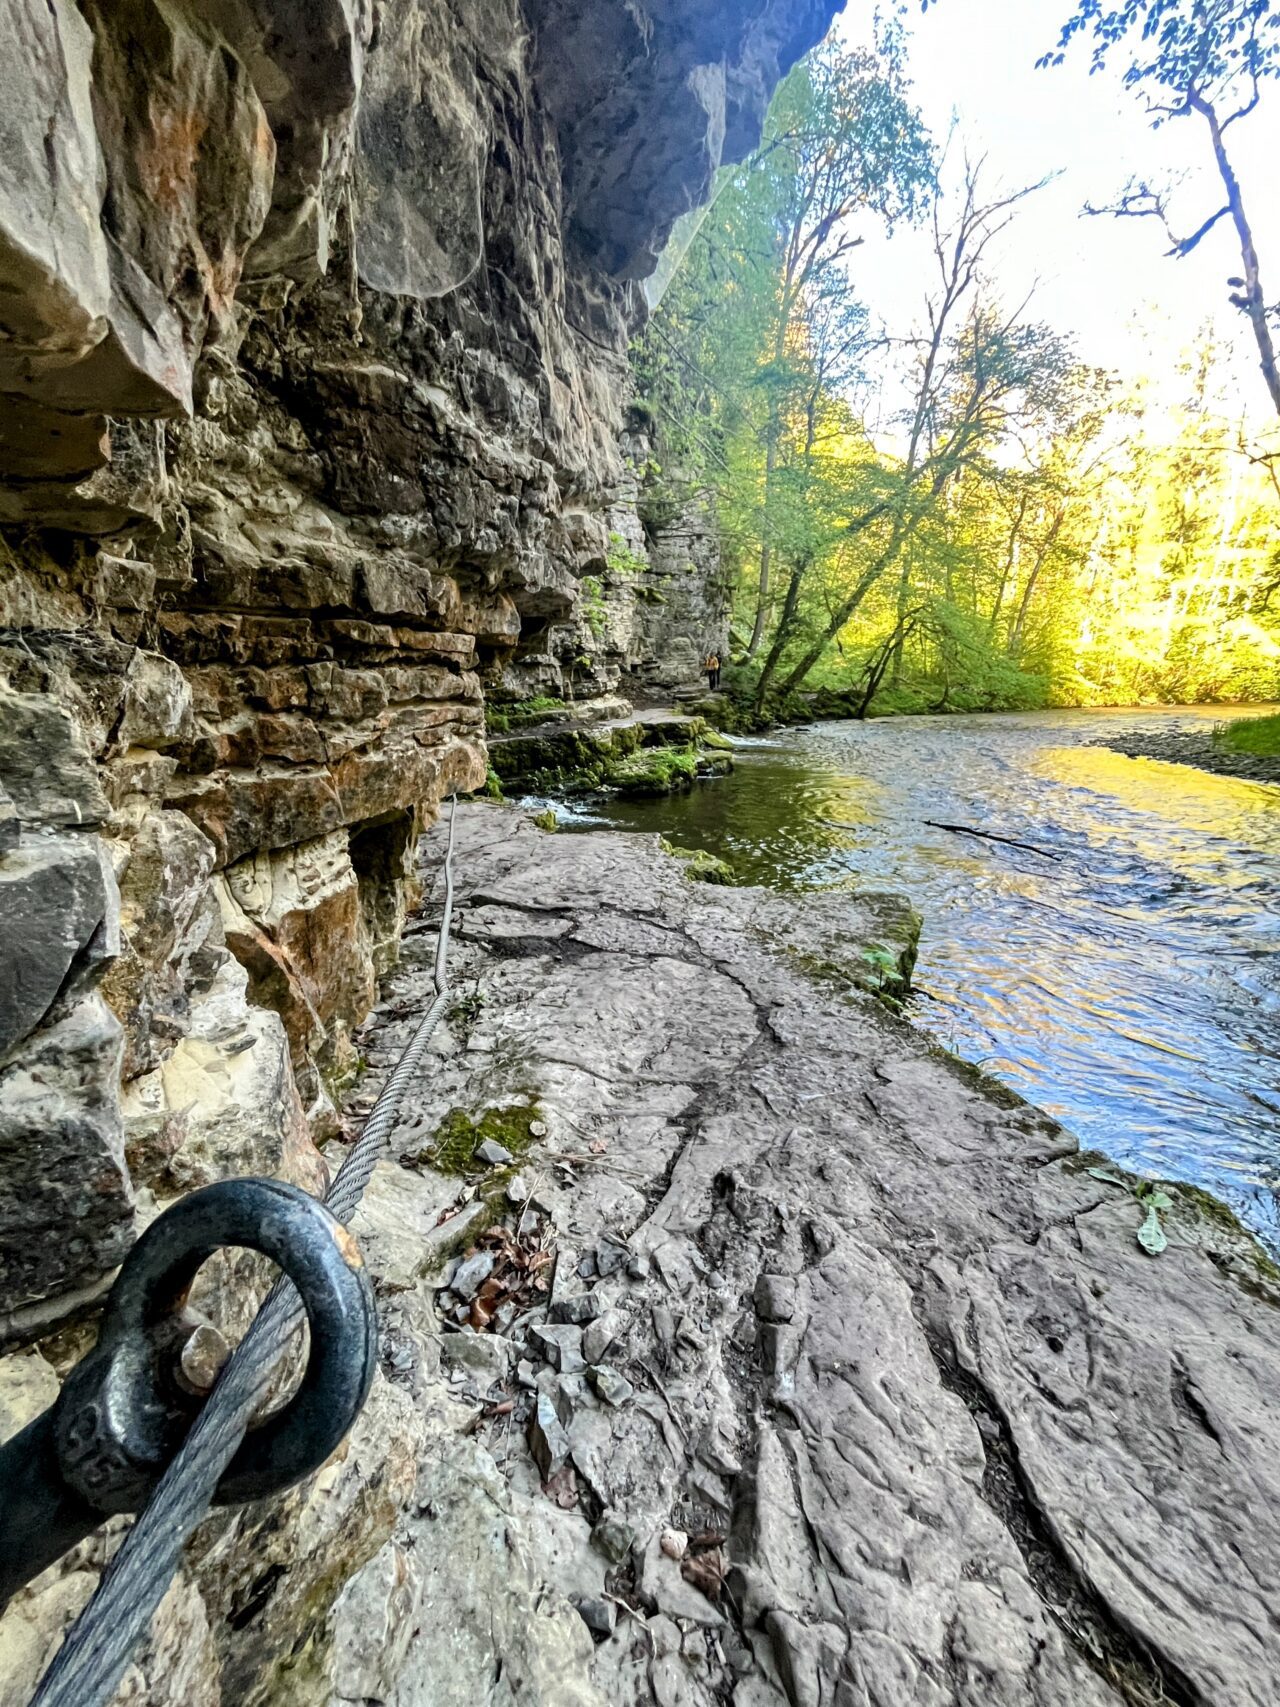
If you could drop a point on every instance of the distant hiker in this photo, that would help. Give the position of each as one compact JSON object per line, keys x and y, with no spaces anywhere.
{"x":712,"y":667}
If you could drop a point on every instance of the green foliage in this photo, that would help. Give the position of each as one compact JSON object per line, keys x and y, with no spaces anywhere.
{"x":621,"y":559}
{"x":1259,"y":736}
{"x":593,"y":606}
{"x":1025,"y":531}
{"x":1214,"y":46}
{"x":741,"y":363}
{"x":1209,"y":62}
{"x":1151,"y":1234}
{"x":501,"y":719}
{"x":1153,"y":1200}
{"x":883,"y":962}
{"x":465,"y":1012}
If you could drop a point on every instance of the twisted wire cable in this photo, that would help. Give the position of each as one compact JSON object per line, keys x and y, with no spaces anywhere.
{"x":99,"y":1645}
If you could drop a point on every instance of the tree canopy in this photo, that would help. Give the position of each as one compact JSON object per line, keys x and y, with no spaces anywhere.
{"x":1205,"y":60}
{"x":954,"y":511}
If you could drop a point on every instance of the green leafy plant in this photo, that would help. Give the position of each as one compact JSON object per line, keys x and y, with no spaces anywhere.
{"x":465,"y":1012}
{"x":621,"y":559}
{"x":882,"y":960}
{"x":593,"y":604}
{"x":1152,"y":1198}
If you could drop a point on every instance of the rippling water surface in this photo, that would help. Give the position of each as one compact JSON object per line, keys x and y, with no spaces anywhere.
{"x":1131,"y":985}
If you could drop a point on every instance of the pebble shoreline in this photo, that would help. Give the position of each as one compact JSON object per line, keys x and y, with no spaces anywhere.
{"x":1202,"y":752}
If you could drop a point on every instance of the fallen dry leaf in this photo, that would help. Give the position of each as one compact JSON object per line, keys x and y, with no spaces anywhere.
{"x":563,"y":1488}
{"x":705,"y":1572}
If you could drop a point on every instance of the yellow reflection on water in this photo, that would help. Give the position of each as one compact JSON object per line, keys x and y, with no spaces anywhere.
{"x":1176,"y":794}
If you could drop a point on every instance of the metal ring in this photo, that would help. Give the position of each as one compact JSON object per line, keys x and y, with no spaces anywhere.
{"x":121,"y":1417}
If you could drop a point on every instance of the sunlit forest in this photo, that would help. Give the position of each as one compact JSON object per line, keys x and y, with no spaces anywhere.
{"x":953,"y":509}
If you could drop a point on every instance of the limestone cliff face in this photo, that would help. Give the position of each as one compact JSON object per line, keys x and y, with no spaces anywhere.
{"x":313,"y":327}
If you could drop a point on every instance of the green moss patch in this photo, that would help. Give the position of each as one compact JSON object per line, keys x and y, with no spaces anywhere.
{"x":886,"y":975}
{"x":640,"y":759}
{"x":562,"y":760}
{"x":520,"y":714}
{"x":701,"y":866}
{"x":452,"y":1147}
{"x":654,"y":771}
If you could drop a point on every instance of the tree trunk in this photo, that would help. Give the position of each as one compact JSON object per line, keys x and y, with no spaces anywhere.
{"x":879,"y":664}
{"x":1024,"y":604}
{"x":762,"y":596}
{"x":899,"y":635}
{"x":1251,"y":299}
{"x":1010,"y":564}
{"x":865,"y":582}
{"x":786,"y":624}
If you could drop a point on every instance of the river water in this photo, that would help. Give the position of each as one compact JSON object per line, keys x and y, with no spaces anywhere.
{"x":1130,"y":985}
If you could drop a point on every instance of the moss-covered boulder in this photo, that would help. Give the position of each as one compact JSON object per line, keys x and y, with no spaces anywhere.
{"x":700,"y":866}
{"x":654,"y":771}
{"x":640,"y":757}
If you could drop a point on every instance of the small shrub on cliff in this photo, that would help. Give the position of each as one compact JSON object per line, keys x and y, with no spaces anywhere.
{"x":593,"y":604}
{"x":622,"y":560}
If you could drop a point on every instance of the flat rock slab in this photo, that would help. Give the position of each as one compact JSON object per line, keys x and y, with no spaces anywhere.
{"x":937,"y":1428}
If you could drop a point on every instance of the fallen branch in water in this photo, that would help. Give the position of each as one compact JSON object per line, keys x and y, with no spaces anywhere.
{"x":990,"y":836}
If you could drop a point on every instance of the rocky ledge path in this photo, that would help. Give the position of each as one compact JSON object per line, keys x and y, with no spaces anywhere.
{"x":813,"y":1369}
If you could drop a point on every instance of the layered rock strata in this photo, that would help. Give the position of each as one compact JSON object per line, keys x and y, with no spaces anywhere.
{"x":313,"y":328}
{"x":314,"y":324}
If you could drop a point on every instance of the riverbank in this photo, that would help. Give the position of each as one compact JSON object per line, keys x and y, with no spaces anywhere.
{"x":554,"y":747}
{"x":884,"y":1398}
{"x":1196,"y":748}
{"x":1115,"y":959}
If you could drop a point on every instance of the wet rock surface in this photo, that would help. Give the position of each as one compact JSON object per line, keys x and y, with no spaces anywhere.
{"x":912,"y":1417}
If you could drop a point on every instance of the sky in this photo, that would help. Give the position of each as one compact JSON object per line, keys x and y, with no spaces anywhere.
{"x":1105,"y":279}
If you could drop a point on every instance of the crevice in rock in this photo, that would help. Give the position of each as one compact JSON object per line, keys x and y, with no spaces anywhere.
{"x":1139,"y":1676}
{"x":259,"y":1595}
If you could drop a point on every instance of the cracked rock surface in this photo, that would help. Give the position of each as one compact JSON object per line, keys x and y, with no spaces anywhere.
{"x":913,"y":1420}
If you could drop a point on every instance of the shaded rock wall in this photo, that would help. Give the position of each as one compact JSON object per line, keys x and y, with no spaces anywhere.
{"x":313,"y":327}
